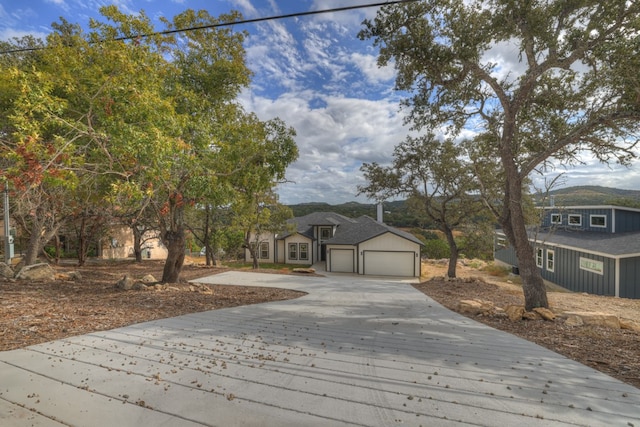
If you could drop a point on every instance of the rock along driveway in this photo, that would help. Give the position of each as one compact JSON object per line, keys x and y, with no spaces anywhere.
{"x":353,"y":352}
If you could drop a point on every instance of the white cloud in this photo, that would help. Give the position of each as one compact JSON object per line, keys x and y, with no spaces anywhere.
{"x":368,"y":66}
{"x":334,"y":139}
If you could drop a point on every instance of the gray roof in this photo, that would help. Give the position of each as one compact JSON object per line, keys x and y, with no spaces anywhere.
{"x":304,"y":224}
{"x":365,"y":228}
{"x":349,"y":231}
{"x":614,"y":245}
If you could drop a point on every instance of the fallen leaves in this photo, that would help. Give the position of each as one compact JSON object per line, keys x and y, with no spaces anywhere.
{"x":36,"y":312}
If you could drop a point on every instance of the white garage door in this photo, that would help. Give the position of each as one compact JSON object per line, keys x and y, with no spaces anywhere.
{"x":341,"y":260}
{"x":389,"y":263}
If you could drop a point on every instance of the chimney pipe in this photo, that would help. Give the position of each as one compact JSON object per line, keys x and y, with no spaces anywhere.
{"x":379,"y":213}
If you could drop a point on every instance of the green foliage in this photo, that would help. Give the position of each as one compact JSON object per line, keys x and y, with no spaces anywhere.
{"x":424,"y":235}
{"x":568,"y":82}
{"x":149,"y":125}
{"x":497,"y":270}
{"x":436,"y":249}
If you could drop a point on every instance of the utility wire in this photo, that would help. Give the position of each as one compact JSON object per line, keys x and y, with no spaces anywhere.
{"x":230,"y":23}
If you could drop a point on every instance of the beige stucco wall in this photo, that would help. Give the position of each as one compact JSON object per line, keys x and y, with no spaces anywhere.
{"x":269,"y":238}
{"x":298,"y":238}
{"x":119,"y":245}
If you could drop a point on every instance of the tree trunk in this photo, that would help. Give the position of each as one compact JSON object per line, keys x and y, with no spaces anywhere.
{"x":453,"y":252}
{"x":175,"y":242}
{"x":83,"y":242}
{"x":514,"y":225}
{"x":208,"y":255}
{"x":33,"y":247}
{"x":137,"y":243}
{"x":253,"y":250}
{"x":56,"y":260}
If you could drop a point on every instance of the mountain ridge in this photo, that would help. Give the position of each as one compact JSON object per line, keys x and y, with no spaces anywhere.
{"x":396,"y":213}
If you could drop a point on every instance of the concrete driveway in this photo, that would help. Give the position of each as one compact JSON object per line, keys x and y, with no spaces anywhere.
{"x":354,"y":351}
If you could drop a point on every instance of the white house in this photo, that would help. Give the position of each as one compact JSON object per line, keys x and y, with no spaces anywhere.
{"x":362,"y":246}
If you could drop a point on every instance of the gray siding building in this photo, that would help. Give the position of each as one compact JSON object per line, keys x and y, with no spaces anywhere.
{"x":593,"y":249}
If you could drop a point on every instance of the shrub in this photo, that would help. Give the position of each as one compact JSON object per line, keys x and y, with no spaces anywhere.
{"x":497,"y":270}
{"x":436,"y":249}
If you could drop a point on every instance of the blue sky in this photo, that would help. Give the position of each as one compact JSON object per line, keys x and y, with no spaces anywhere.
{"x":313,"y":73}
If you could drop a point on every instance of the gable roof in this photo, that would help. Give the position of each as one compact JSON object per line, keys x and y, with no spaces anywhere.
{"x":304,"y":224}
{"x":618,"y":245}
{"x":365,"y":228}
{"x":349,"y":231}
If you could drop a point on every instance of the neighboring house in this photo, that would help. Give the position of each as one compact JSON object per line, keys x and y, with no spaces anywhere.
{"x":120,"y":245}
{"x":592,"y":249}
{"x":346,"y":245}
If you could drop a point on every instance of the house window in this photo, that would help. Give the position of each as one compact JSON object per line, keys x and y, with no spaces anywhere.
{"x":304,"y":251}
{"x":293,"y":251}
{"x":539,"y":257}
{"x":575,"y":220}
{"x":325,"y":233}
{"x":550,"y":260}
{"x":598,"y":220}
{"x":264,"y":250}
{"x":501,"y":243}
{"x":556,"y":218}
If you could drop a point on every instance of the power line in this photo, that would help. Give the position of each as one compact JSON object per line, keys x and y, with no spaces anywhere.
{"x":230,"y":23}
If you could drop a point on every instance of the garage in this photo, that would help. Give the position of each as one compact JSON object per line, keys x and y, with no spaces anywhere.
{"x":341,"y":260}
{"x":386,"y":263}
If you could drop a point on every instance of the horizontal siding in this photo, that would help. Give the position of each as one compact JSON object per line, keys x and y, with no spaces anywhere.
{"x":389,"y":242}
{"x":630,"y":278}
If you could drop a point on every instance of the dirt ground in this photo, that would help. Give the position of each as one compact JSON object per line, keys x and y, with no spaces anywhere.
{"x":36,"y":312}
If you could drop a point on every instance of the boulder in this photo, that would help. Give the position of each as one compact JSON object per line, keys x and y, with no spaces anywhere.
{"x":531,"y":315}
{"x":139,"y":287}
{"x":574,"y":321}
{"x":304,"y":270}
{"x":475,"y":307}
{"x":75,"y":275}
{"x":201,"y":288}
{"x":515,"y":312}
{"x":148,"y":278}
{"x":71,"y":275}
{"x":594,"y":319}
{"x":6,"y":271}
{"x":126,"y":283}
{"x":630,"y":325}
{"x":37,"y":272}
{"x":545,"y":313}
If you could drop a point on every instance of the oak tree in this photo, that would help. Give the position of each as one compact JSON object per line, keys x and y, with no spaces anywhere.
{"x":539,"y":81}
{"x":439,"y":184}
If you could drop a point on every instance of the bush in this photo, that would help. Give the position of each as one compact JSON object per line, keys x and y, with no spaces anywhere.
{"x":436,"y":249}
{"x":497,"y":270}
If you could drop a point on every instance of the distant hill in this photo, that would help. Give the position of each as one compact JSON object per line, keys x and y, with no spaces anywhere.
{"x":591,"y":195}
{"x":395,"y":213}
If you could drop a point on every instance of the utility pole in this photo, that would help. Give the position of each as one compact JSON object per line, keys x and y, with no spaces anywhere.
{"x":8,"y":238}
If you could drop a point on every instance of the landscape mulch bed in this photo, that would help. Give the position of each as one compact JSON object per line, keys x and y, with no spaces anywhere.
{"x":615,"y":352}
{"x":36,"y":312}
